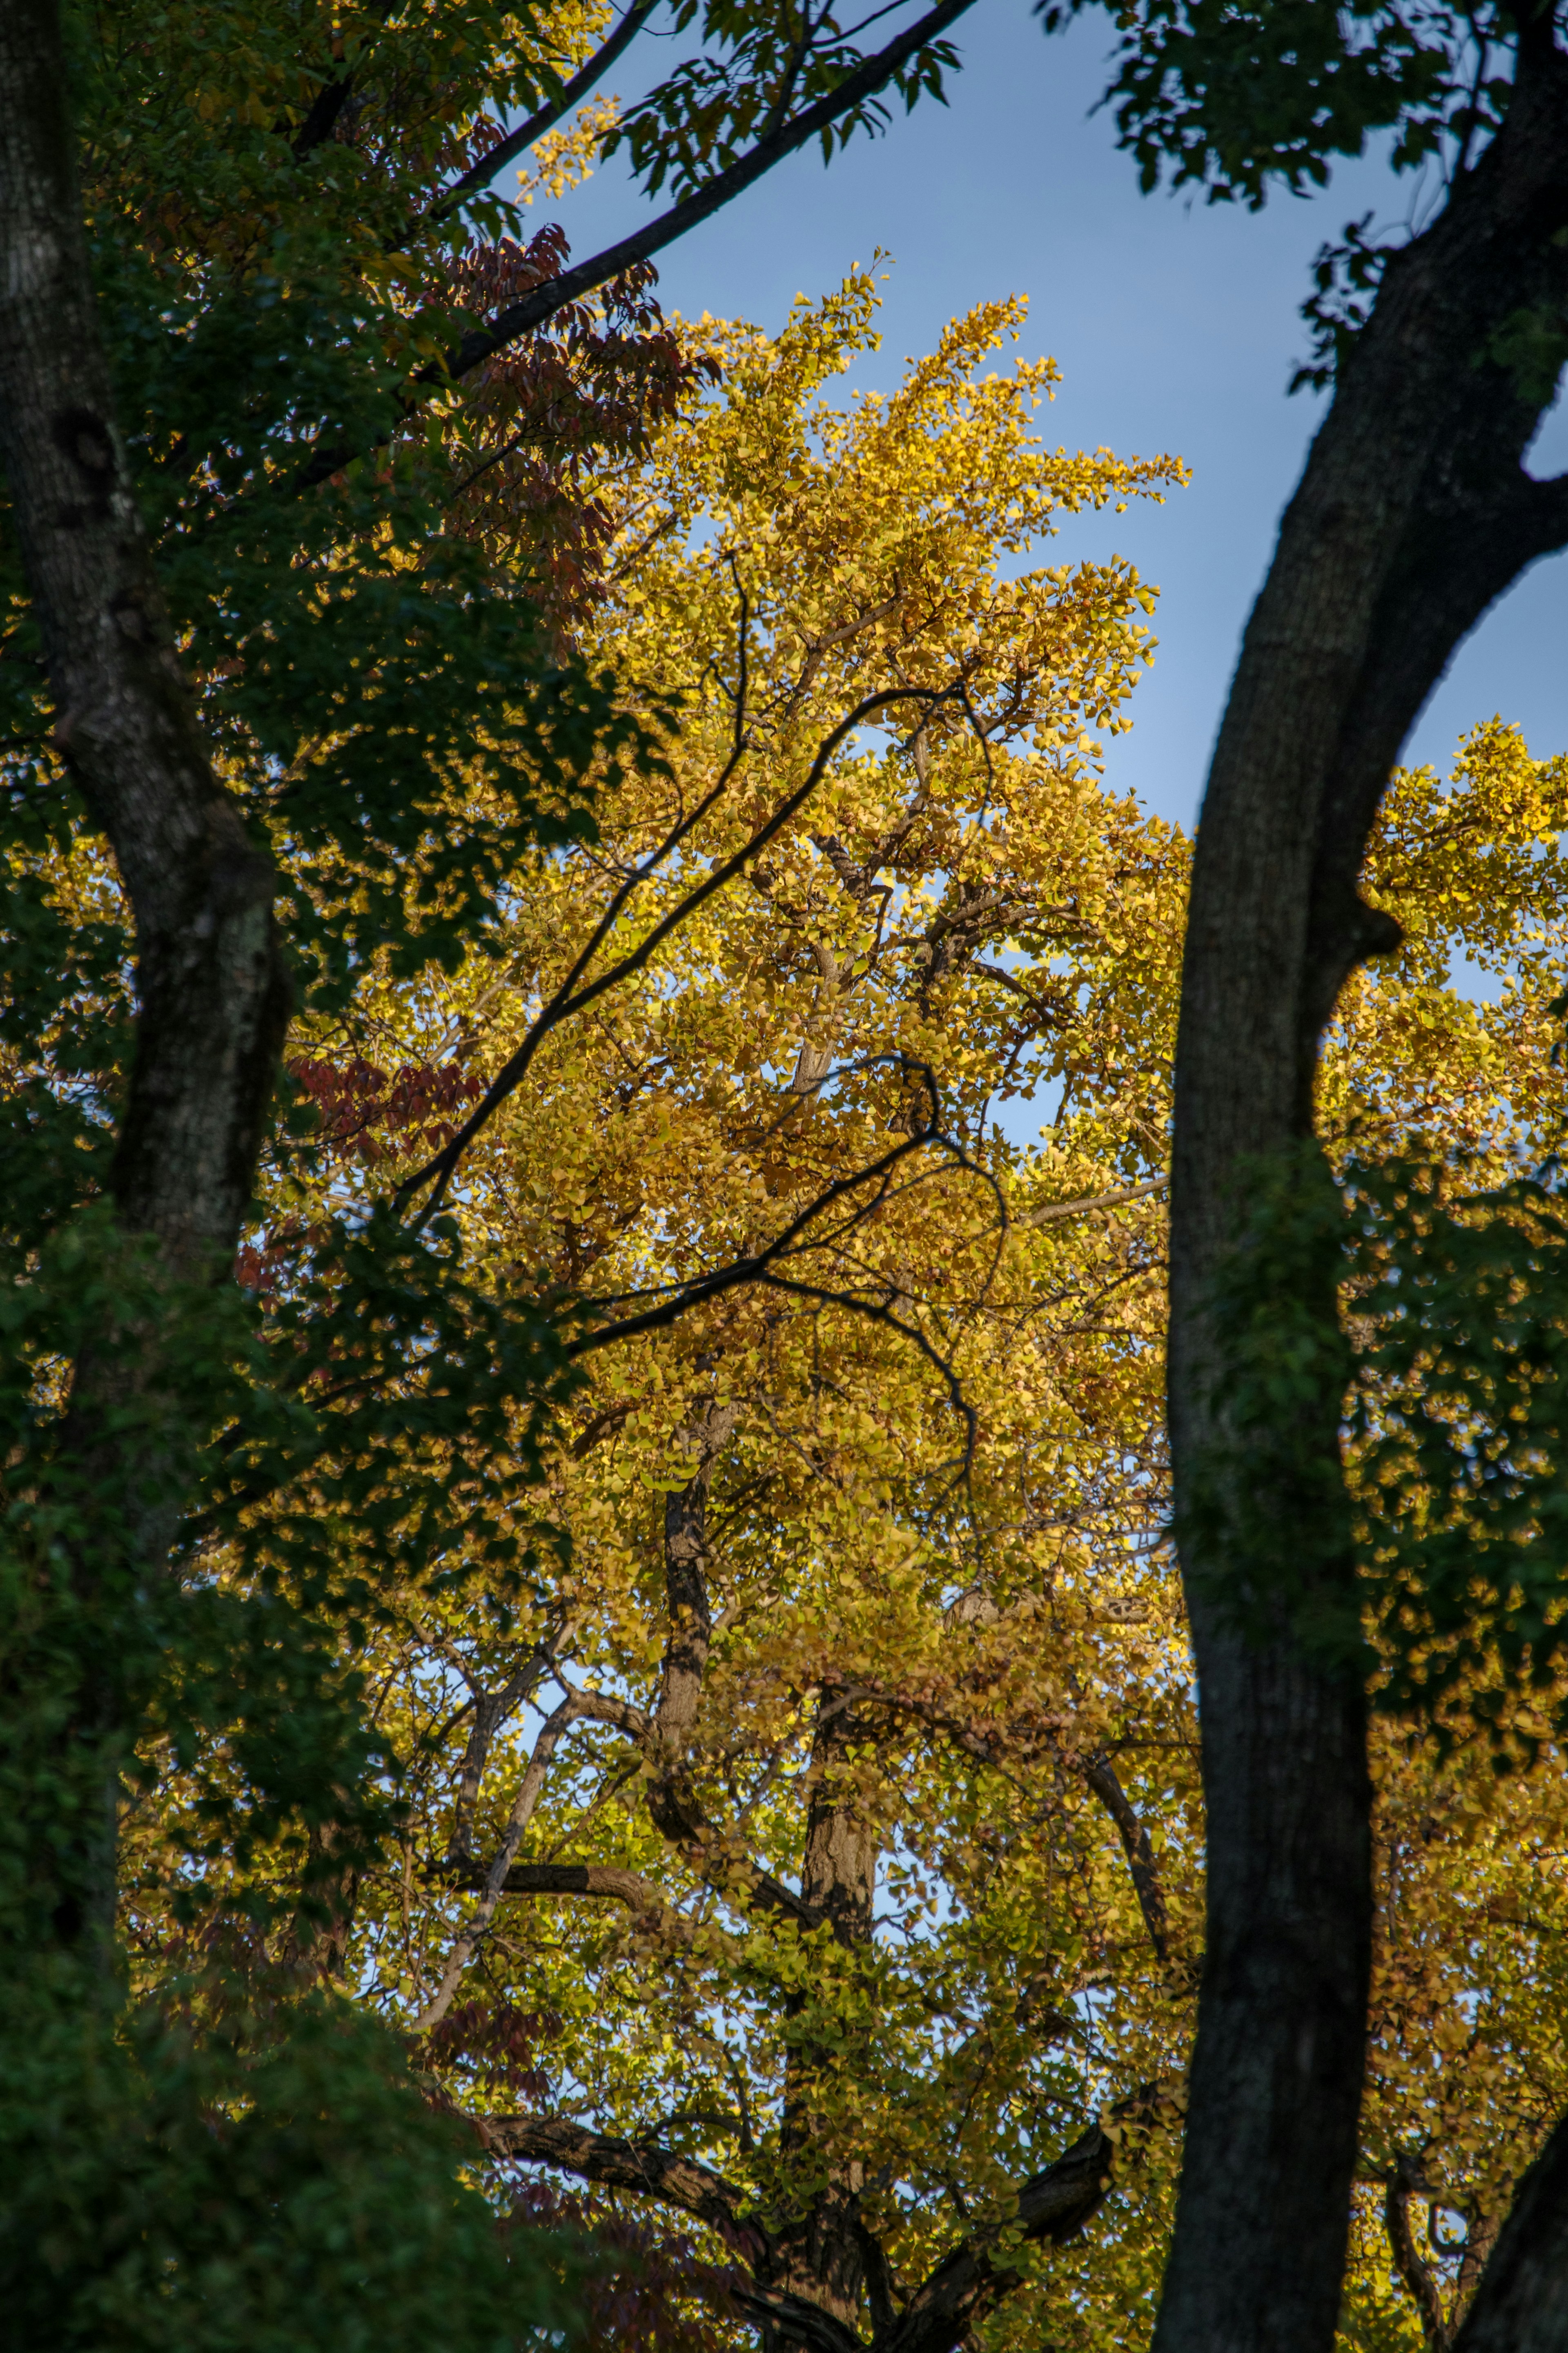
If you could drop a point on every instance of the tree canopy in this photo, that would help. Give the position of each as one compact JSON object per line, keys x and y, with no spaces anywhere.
{"x":589,"y":1631}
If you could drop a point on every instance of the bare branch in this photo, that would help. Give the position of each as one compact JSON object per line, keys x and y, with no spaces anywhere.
{"x":574,"y":1709}
{"x":600,"y":1879}
{"x":1091,"y":1201}
{"x":491,"y":1710}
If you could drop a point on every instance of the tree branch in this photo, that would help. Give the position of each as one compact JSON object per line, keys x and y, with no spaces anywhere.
{"x":479,"y":175}
{"x":1052,"y":2204}
{"x":617,"y":2164}
{"x":795,"y":2320}
{"x":1117,"y":1200}
{"x":521,"y":318}
{"x":570,"y":998}
{"x":571,"y":1710}
{"x":602,"y":1879}
{"x":1137,"y":1847}
{"x":1416,"y":2274}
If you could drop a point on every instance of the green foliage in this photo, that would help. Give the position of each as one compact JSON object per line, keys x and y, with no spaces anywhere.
{"x":1234,"y":99}
{"x":240,"y":2168}
{"x":1430,"y":1318}
{"x":754,"y":66}
{"x":203,"y":2148}
{"x":1266,"y":1514}
{"x":244,"y":2161}
{"x":1460,"y":1430}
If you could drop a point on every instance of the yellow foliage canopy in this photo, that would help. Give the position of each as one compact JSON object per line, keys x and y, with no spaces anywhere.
{"x":822,"y":1820}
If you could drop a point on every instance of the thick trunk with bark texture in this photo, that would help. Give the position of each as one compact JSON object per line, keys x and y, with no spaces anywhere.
{"x":1521,"y":2303}
{"x":212,"y":997}
{"x":1413,"y":515}
{"x":824,"y":2254}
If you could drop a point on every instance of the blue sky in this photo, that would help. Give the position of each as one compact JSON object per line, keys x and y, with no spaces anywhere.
{"x":1175,"y":325}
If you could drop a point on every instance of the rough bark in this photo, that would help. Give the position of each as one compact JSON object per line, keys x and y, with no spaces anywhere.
{"x":1521,"y":2303}
{"x":616,"y":2164}
{"x":213,"y":998}
{"x":1413,"y":515}
{"x":672,"y":1803}
{"x":1139,"y":1849}
{"x":1420,"y":2284}
{"x":823,"y":2255}
{"x":606,"y":1880}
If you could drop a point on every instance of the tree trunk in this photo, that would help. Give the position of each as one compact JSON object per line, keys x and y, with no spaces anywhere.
{"x":213,"y":996}
{"x":1521,"y":2303}
{"x":823,"y":2253}
{"x":1413,"y":512}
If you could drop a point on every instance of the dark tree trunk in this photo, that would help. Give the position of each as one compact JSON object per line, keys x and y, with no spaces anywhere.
{"x":672,"y":1805}
{"x":1413,"y":515}
{"x":1521,"y":2303}
{"x":213,"y":998}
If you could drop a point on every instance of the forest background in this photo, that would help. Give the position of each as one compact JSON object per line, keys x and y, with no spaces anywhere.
{"x":819,"y":1630}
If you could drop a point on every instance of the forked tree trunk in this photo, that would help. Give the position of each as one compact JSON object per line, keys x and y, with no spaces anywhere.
{"x":1413,"y":512}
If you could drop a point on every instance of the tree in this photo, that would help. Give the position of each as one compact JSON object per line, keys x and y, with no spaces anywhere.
{"x":654,"y":2028}
{"x":793,"y":1666}
{"x":277,"y":320}
{"x":1414,"y":511}
{"x":235,"y":646}
{"x":876,"y":1679}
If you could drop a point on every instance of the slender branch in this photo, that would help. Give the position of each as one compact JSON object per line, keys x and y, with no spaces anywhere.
{"x":519,"y":318}
{"x":1091,"y":1201}
{"x":743,"y":1271}
{"x":1139,"y":1849}
{"x":569,"y":1712}
{"x":568,"y":1000}
{"x":480,"y":175}
{"x":879,"y":1313}
{"x":491,"y":1710}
